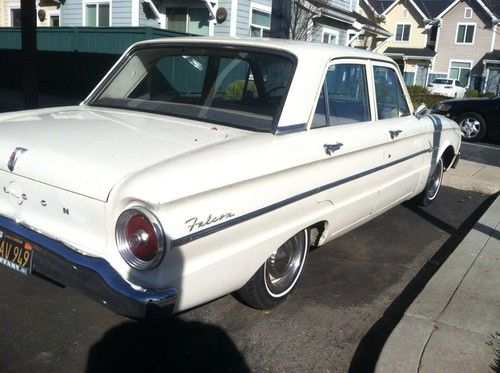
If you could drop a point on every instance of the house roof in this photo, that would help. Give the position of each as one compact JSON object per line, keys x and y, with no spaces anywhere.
{"x":432,"y":8}
{"x":492,"y":56}
{"x":494,"y":6}
{"x":425,"y":53}
{"x":380,"y":5}
{"x":427,"y":8}
{"x":349,"y":17}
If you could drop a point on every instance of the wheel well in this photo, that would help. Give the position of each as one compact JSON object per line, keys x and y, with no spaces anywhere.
{"x":448,"y":156}
{"x":316,"y":231}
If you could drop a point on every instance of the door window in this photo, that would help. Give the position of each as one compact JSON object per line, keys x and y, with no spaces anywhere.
{"x":347,"y":96}
{"x":391,"y":102}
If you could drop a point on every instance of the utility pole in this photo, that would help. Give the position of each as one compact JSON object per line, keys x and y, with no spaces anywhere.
{"x":280,"y":19}
{"x":29,"y":54}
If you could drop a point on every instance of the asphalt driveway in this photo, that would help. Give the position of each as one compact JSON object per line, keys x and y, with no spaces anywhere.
{"x":353,"y":292}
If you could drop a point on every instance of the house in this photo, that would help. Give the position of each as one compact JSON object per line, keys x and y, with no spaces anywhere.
{"x":414,"y":32}
{"x":330,"y":21}
{"x":457,"y":39}
{"x":47,"y":13}
{"x":468,"y":43}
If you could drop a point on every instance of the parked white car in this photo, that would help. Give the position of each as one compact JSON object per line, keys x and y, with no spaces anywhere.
{"x":201,"y":166}
{"x":447,"y":87}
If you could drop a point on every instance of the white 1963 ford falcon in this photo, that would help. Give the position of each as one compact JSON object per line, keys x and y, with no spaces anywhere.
{"x":202,"y":166}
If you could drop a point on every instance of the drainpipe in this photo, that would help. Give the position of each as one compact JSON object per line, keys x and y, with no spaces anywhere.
{"x":281,"y":15}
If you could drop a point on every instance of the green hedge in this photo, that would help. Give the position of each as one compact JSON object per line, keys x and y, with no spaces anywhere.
{"x":421,"y":95}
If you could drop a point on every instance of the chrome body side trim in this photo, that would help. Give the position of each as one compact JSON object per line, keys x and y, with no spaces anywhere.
{"x":298,"y":197}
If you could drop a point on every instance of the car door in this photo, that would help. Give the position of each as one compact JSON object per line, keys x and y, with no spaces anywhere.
{"x":349,"y":143}
{"x":406,"y":138}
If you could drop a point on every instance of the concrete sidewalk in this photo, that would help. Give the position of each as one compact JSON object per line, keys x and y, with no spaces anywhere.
{"x":477,"y":171}
{"x":454,"y":324}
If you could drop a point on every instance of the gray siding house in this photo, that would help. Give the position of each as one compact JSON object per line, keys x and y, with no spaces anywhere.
{"x":332,"y":21}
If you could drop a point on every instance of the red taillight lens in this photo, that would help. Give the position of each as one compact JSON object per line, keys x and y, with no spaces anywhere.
{"x":139,"y":237}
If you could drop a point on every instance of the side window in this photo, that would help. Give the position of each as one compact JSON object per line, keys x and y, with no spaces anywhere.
{"x":347,"y":97}
{"x":320,"y":114}
{"x":391,"y":102}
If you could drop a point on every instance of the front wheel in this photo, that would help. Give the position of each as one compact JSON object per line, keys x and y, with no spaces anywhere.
{"x":277,"y":277}
{"x":432,"y":187}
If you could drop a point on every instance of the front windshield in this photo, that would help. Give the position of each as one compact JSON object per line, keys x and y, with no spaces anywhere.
{"x":238,"y":88}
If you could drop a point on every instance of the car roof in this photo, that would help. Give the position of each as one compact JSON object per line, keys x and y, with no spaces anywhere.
{"x":296,"y":47}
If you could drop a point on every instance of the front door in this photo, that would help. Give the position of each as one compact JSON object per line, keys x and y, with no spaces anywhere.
{"x":421,"y":76}
{"x":406,"y":138}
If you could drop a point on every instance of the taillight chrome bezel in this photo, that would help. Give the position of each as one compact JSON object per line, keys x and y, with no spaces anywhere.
{"x":123,"y":245}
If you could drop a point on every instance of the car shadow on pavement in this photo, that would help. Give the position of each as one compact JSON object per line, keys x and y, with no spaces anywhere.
{"x":163,"y":346}
{"x":367,"y":353}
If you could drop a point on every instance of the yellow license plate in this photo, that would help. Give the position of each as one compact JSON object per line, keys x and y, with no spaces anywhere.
{"x":15,"y":252}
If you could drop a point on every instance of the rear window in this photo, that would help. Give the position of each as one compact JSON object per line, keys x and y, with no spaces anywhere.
{"x":240,"y":88}
{"x":442,"y":81}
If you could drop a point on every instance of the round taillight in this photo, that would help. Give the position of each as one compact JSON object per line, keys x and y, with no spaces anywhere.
{"x":140,"y":238}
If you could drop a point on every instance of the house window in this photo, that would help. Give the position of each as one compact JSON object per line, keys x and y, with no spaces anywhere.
{"x":402,"y":32}
{"x":330,"y":37}
{"x":15,"y":17}
{"x":260,"y":23}
{"x":468,"y":13}
{"x":460,"y":71}
{"x":190,"y":20}
{"x":97,"y":14}
{"x":465,"y":33}
{"x":54,"y":21}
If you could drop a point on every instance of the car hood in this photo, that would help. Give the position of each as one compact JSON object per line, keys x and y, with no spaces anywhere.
{"x":89,"y":150}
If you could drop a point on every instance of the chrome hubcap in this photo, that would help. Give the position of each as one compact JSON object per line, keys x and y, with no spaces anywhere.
{"x":470,"y":127}
{"x":435,"y":181}
{"x":282,"y":268}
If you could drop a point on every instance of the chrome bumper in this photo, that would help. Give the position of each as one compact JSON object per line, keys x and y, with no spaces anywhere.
{"x":92,"y":276}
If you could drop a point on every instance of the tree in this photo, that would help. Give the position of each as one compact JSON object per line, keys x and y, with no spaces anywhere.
{"x":304,"y":12}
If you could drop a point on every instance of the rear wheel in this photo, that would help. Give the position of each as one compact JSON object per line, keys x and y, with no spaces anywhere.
{"x":277,"y":277}
{"x":472,"y":125}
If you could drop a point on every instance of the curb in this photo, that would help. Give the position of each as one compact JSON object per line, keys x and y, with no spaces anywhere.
{"x":445,"y":328}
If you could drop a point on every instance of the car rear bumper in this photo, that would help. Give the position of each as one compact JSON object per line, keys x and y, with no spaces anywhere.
{"x":92,"y":276}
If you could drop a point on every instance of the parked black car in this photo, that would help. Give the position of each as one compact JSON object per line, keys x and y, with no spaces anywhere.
{"x":477,"y":117}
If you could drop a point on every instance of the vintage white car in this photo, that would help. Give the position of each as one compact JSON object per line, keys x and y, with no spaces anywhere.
{"x":201,"y":166}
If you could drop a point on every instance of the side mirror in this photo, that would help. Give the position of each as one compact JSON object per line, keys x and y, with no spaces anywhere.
{"x":420,"y":111}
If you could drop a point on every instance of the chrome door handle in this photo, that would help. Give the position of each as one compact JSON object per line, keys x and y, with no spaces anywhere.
{"x":332,"y":148}
{"x":394,"y":133}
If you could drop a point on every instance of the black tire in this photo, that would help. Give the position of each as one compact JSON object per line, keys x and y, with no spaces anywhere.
{"x":472,"y":125}
{"x":432,"y":187}
{"x":265,"y":290}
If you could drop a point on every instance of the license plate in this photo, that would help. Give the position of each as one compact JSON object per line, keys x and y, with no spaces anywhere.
{"x":15,"y":252}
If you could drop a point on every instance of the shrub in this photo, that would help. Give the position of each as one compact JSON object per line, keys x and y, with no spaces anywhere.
{"x":488,"y":94}
{"x":235,"y":89}
{"x":420,"y":95}
{"x":471,"y":93}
